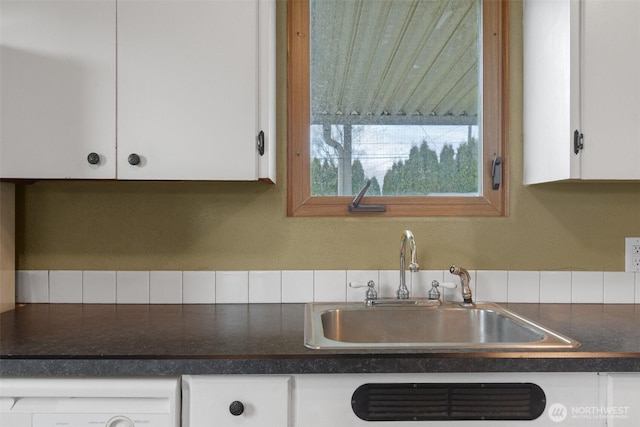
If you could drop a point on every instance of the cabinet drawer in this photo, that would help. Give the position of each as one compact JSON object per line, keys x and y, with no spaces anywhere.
{"x":225,"y":400}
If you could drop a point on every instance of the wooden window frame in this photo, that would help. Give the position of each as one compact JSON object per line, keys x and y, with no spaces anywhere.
{"x":494,"y":127}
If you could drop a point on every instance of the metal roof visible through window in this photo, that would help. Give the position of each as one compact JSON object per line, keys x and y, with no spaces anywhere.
{"x":395,"y":61}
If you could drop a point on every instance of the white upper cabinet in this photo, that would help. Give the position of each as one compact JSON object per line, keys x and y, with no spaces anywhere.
{"x":57,"y":89}
{"x":581,"y":90}
{"x":189,"y":89}
{"x":192,"y":96}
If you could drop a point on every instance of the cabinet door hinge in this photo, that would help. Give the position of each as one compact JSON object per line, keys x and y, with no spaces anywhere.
{"x":261,"y":143}
{"x":577,"y":141}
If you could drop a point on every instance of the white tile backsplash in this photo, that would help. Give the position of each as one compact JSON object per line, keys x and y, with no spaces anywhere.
{"x":65,"y":287}
{"x":232,"y":287}
{"x":388,"y":282}
{"x":329,"y":285}
{"x":198,"y":287}
{"x":301,"y":286}
{"x":99,"y":287}
{"x":491,"y":286}
{"x":165,"y":287}
{"x":555,"y":287}
{"x":619,"y":287}
{"x":297,"y":286}
{"x":265,"y":286}
{"x":587,"y":287}
{"x":32,"y":286}
{"x":132,"y":287}
{"x":524,"y":286}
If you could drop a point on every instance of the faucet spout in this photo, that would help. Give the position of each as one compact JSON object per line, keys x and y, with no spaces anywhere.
{"x":407,"y":236}
{"x":465,"y":280}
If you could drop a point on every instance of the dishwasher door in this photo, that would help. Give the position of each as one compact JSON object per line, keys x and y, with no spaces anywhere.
{"x":90,"y":402}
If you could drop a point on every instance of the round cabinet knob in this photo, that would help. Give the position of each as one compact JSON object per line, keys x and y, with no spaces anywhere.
{"x":236,"y":408}
{"x":93,"y":158}
{"x":134,"y":159}
{"x":120,"y":422}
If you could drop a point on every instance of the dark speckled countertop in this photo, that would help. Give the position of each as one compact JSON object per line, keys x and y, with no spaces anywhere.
{"x":75,"y":339}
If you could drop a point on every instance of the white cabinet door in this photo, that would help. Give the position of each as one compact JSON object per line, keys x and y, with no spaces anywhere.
{"x":580,"y":65}
{"x":57,"y":86}
{"x":551,"y":89}
{"x":188,"y":89}
{"x":611,"y":90}
{"x":236,"y":400}
{"x":622,"y":396}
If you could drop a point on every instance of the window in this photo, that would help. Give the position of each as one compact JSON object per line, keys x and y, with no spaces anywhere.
{"x":388,"y":91}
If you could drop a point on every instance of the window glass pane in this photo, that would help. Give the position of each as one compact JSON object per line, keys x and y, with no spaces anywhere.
{"x":395,"y":97}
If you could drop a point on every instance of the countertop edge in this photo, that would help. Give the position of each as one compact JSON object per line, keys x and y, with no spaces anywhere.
{"x":370,"y":364}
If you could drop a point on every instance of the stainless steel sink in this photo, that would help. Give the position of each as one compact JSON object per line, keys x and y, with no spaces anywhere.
{"x":485,"y":326}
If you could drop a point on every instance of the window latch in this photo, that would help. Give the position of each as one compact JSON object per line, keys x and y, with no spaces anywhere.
{"x":496,"y":172}
{"x":355,"y":206}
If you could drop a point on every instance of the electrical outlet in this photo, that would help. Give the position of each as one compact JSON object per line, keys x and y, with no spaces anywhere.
{"x":632,"y":254}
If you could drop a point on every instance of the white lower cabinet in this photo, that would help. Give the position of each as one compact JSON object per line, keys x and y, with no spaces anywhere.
{"x":620,"y":402}
{"x":236,"y":400}
{"x":322,"y":400}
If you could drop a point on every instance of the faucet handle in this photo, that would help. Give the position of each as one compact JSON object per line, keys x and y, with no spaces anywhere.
{"x":449,"y":285}
{"x":434,"y":293}
{"x":371,"y":291}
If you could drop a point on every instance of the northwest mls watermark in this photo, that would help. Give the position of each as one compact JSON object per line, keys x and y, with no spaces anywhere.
{"x":559,"y":412}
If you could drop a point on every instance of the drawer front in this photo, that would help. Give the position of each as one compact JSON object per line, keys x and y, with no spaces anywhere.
{"x":227,"y":400}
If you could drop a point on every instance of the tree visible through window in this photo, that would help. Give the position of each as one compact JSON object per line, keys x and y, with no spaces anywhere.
{"x":422,"y":171}
{"x":395,"y":92}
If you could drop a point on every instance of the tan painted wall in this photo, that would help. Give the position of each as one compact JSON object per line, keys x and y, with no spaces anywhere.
{"x":7,"y":247}
{"x":243,"y":226}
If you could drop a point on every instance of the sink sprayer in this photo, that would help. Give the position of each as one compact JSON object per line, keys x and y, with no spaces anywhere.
{"x":465,"y":280}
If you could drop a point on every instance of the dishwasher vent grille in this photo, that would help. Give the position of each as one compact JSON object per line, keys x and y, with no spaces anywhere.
{"x":448,"y":401}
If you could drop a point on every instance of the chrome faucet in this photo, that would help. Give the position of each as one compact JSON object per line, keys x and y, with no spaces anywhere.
{"x":465,"y":280}
{"x":403,"y":291}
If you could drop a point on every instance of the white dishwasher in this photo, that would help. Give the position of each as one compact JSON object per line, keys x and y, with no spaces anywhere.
{"x":90,"y":402}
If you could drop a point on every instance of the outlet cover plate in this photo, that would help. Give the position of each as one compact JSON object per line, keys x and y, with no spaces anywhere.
{"x":632,"y":254}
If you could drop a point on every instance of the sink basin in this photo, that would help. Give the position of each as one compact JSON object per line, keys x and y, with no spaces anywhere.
{"x":485,"y":326}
